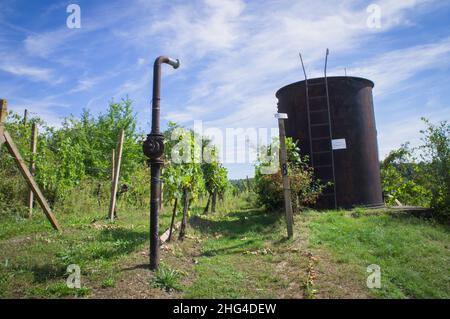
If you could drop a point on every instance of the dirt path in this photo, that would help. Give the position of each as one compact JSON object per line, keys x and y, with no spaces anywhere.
{"x":215,"y":266}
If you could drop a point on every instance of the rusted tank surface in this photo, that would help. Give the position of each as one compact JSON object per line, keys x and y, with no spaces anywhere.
{"x":355,"y":151}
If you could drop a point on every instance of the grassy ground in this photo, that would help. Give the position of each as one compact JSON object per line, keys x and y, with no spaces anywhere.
{"x":414,"y":254}
{"x":241,"y":253}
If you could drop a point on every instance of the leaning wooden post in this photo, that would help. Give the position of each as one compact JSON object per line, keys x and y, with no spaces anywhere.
{"x":284,"y":172}
{"x":113,"y":165}
{"x":2,"y":121}
{"x":12,"y":148}
{"x":34,"y":134}
{"x":112,"y":203}
{"x":174,"y":212}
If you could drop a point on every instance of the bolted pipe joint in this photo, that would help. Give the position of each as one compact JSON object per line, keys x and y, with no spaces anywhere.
{"x":153,"y":148}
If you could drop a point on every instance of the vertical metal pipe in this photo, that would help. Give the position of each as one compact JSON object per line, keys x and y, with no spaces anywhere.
{"x":154,"y":149}
{"x":154,"y":212}
{"x":156,"y":96}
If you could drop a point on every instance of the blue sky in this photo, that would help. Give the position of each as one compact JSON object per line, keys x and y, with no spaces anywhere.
{"x":234,"y":56}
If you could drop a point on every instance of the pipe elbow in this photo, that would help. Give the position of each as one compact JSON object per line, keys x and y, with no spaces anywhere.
{"x":175,"y":63}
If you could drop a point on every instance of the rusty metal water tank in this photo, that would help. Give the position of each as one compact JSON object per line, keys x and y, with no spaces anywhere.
{"x":352,"y":147}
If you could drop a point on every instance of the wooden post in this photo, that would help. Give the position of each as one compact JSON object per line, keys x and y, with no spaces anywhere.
{"x":25,"y":117}
{"x":185,"y":213}
{"x":99,"y":195}
{"x":115,"y":183}
{"x":205,"y":211}
{"x":161,"y":191}
{"x":6,"y":138}
{"x":173,"y":219}
{"x":3,"y":113}
{"x":113,"y":163}
{"x":30,"y":180}
{"x":284,"y":173}
{"x":34,"y":134}
{"x":214,"y":201}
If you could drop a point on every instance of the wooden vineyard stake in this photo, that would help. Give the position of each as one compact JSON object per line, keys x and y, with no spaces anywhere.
{"x":115,"y":183}
{"x":113,"y":164}
{"x":2,"y":121}
{"x":185,"y":212}
{"x":205,"y":211}
{"x":12,"y":148}
{"x":161,"y":191}
{"x":25,"y":117}
{"x":34,"y":134}
{"x":173,"y":219}
{"x":214,"y":201}
{"x":284,"y":172}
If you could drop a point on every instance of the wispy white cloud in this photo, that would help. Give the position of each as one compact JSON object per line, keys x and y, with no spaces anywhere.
{"x":261,"y":52}
{"x":28,"y":72}
{"x":234,"y":54}
{"x":391,"y":69}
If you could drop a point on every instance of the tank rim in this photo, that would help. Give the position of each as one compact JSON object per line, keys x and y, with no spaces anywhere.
{"x":301,"y":83}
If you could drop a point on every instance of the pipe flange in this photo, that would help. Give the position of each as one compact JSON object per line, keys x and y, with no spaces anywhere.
{"x":153,"y":147}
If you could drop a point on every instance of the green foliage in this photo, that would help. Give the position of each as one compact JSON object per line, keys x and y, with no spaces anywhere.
{"x":421,"y":176}
{"x":399,"y":174}
{"x":436,"y":152}
{"x":182,"y":163}
{"x":58,"y":290}
{"x":242,"y":185}
{"x":60,"y":162}
{"x":358,"y":212}
{"x":166,"y":279}
{"x":214,"y":174}
{"x":108,"y":283}
{"x":13,"y":190}
{"x":269,"y":187}
{"x":98,"y":136}
{"x":78,"y":150}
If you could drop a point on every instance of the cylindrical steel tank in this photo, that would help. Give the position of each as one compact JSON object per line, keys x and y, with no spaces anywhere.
{"x":354,"y":135}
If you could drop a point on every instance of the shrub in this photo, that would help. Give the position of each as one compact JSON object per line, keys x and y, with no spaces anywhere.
{"x":305,"y":189}
{"x":421,"y":175}
{"x":436,"y":153}
{"x":400,"y":179}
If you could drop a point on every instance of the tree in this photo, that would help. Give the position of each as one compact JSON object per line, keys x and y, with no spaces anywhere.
{"x":269,"y":187}
{"x":81,"y":149}
{"x":215,"y":176}
{"x":421,"y":176}
{"x":183,"y":168}
{"x":436,"y":153}
{"x":400,"y":175}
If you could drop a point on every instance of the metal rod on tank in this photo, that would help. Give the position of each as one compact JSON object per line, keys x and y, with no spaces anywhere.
{"x":330,"y":128}
{"x":307,"y":111}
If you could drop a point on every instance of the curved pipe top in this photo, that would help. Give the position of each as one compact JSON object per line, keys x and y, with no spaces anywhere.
{"x":157,"y":88}
{"x":175,"y":63}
